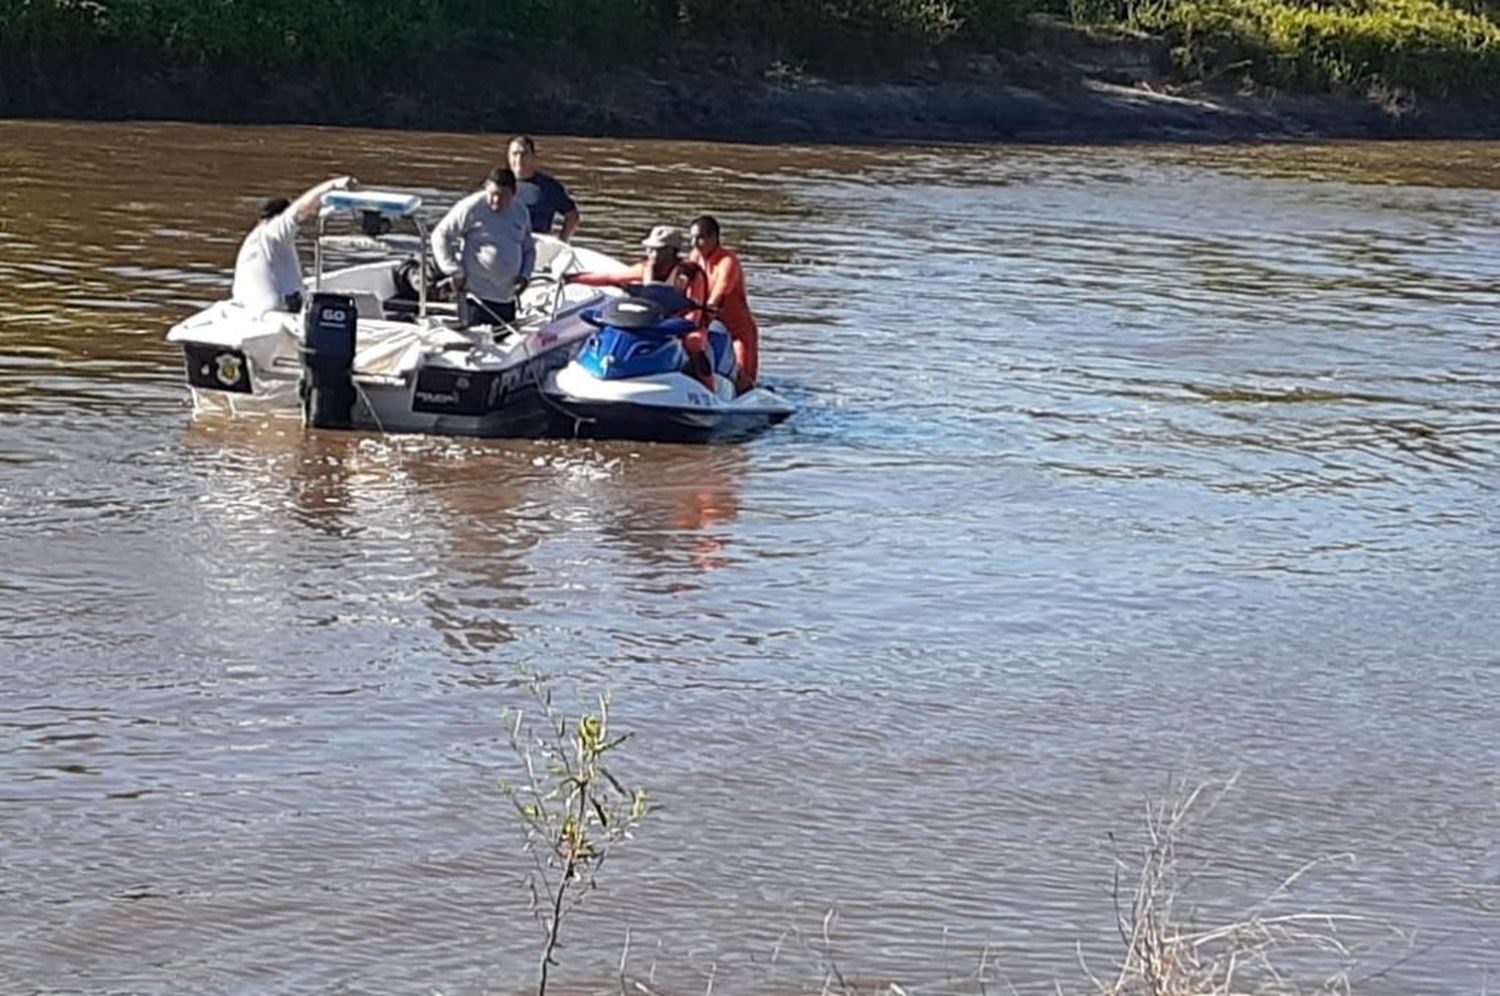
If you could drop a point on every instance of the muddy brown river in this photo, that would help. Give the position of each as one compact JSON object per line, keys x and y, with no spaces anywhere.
{"x":1115,"y":468}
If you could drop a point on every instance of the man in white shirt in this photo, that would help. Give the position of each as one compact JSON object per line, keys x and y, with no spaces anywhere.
{"x":484,"y":243}
{"x":267,"y":273}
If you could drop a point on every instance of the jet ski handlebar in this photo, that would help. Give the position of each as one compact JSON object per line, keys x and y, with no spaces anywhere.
{"x":640,"y":316}
{"x":666,"y":297}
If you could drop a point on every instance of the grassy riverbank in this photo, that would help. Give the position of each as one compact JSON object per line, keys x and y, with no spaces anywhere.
{"x":634,"y":65}
{"x":1434,"y":48}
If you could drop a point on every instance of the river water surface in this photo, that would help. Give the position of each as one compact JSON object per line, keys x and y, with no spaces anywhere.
{"x":1114,"y":468}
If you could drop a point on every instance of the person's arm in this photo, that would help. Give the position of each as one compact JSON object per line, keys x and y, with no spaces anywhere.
{"x":695,"y":282}
{"x":723,"y":279}
{"x":447,"y":242}
{"x":599,"y":279}
{"x":569,"y":225}
{"x":528,"y":255}
{"x":619,"y":278}
{"x":564,"y":205}
{"x":305,"y":207}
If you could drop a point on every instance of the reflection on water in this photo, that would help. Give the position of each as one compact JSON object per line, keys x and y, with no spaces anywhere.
{"x":1149,"y":461}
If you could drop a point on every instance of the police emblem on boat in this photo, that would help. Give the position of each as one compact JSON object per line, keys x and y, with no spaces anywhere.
{"x":216,"y":368}
{"x":228,"y":369}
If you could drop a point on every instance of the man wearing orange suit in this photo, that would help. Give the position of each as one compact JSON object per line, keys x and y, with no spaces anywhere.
{"x":726,"y":299}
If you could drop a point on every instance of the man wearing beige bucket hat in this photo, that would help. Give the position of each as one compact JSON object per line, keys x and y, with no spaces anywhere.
{"x":663,"y":264}
{"x":665,"y":237}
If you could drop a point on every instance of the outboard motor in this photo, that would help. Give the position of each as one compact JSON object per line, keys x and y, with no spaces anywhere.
{"x":328,"y":361}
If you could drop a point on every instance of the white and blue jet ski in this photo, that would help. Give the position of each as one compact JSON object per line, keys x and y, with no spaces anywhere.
{"x":631,"y":379}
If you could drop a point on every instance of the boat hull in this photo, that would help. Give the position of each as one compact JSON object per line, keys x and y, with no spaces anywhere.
{"x":415,"y":368}
{"x":436,"y":398}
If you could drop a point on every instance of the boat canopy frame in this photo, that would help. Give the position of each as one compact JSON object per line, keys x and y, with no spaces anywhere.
{"x":376,"y":211}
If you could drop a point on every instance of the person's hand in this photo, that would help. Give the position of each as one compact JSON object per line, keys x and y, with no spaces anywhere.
{"x":521,"y":283}
{"x":568,"y":278}
{"x":457,"y":280}
{"x":688,"y":268}
{"x":345,"y":183}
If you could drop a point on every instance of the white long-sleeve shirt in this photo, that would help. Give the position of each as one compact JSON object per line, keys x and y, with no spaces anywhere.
{"x":490,"y":248}
{"x":267,"y":268}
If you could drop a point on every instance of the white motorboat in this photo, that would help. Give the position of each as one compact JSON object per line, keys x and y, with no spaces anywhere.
{"x":375,"y":347}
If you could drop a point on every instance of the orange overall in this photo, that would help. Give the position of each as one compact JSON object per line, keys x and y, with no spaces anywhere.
{"x":726,"y":294}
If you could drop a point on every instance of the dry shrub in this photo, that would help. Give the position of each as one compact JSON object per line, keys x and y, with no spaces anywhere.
{"x":1271,"y":948}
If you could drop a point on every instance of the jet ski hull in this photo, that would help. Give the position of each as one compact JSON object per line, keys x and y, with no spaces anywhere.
{"x":672,"y":408}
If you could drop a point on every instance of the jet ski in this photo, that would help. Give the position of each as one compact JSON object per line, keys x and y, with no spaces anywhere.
{"x":632,"y":378}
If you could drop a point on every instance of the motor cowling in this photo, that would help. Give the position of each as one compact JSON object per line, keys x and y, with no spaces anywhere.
{"x":328,"y":333}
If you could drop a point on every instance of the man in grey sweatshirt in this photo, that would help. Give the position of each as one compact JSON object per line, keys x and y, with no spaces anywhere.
{"x":484,"y":243}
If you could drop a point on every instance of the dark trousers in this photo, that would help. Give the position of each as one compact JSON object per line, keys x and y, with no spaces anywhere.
{"x":481,"y":312}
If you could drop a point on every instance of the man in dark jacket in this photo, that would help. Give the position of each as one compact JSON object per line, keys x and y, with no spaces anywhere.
{"x":542,"y":195}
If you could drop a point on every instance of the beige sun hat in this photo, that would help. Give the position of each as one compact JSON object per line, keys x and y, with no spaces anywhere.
{"x":665,"y":237}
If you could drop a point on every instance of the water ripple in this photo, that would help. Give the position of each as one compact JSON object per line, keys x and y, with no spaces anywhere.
{"x":1149,"y":462}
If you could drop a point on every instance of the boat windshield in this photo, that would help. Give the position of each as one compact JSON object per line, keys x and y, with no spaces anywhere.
{"x":382,"y":201}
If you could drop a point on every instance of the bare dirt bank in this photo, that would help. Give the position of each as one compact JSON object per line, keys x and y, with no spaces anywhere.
{"x":1082,"y":109}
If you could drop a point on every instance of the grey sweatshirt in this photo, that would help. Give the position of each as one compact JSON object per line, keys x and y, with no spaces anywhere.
{"x":490,"y":248}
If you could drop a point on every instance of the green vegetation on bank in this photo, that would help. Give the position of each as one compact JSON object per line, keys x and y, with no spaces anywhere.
{"x":1433,"y":48}
{"x":343,"y":37}
{"x":72,"y":51}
